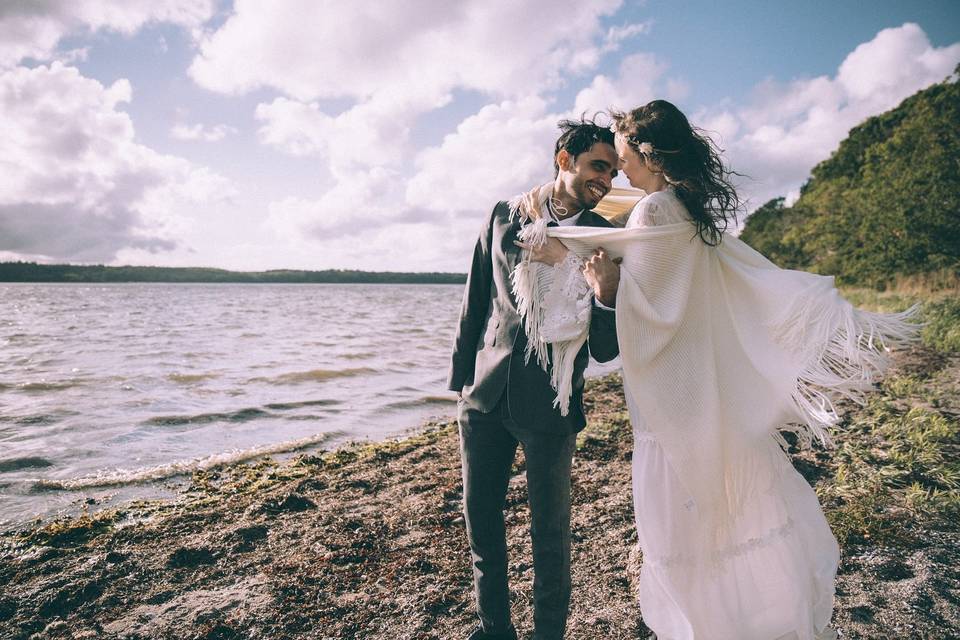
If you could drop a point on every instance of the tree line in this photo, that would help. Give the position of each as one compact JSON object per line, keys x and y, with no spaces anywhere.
{"x":34,"y":272}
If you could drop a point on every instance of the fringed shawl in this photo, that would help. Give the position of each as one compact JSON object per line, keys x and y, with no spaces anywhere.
{"x":553,"y":301}
{"x":722,"y":350}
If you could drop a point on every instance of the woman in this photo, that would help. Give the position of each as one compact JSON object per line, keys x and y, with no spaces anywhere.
{"x":721,"y":351}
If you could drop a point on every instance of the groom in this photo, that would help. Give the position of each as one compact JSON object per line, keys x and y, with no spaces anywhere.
{"x":505,"y":401}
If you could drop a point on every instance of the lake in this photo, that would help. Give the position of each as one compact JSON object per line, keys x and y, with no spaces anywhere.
{"x":119,"y":391}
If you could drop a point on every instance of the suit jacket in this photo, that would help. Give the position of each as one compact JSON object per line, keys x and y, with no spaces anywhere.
{"x":488,"y":351}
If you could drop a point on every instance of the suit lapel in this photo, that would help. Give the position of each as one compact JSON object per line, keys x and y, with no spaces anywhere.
{"x":511,"y":252}
{"x":590,"y":219}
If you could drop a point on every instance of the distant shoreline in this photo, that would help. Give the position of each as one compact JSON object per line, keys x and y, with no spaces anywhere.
{"x":32,"y":272}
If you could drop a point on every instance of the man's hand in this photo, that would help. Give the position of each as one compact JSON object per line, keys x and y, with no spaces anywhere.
{"x":603,"y":274}
{"x":551,"y":253}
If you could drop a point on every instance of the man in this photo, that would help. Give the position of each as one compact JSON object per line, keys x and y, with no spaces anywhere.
{"x":505,"y":401}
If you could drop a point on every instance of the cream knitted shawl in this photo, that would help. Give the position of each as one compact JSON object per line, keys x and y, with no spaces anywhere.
{"x":722,"y":350}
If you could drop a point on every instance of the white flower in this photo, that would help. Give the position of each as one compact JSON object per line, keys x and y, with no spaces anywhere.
{"x":645,"y":148}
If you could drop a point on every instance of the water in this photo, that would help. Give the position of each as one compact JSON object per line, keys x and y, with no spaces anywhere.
{"x":116,"y":391}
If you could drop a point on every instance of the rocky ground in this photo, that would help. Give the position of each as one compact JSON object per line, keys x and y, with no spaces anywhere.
{"x":368,"y":541}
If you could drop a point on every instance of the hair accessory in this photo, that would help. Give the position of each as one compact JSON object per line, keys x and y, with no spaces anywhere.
{"x":647,"y":148}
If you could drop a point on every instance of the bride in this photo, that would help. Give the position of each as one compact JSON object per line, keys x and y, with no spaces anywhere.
{"x":722,"y":351}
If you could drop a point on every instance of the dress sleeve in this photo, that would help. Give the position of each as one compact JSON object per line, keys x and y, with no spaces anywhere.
{"x":658,"y":208}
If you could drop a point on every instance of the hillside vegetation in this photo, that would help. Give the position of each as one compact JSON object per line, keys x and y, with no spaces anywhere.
{"x":884,"y":207}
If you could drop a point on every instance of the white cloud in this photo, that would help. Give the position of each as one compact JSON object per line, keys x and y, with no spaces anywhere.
{"x":367,"y":201}
{"x":384,"y":69}
{"x":401,"y":245}
{"x":391,"y":67}
{"x":201,"y":132}
{"x":507,"y":147}
{"x":786,"y":129}
{"x":76,"y":184}
{"x":30,"y":29}
{"x":637,"y":82}
{"x":326,"y":49}
{"x":372,"y":133}
{"x":588,"y":58}
{"x":493,"y":154}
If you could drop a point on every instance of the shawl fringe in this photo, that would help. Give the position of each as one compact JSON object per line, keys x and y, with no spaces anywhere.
{"x":850,"y":352}
{"x":531,"y":283}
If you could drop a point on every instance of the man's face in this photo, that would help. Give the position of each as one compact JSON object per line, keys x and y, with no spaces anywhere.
{"x":588,"y":178}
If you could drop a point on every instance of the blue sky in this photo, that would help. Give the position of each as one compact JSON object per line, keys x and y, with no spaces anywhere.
{"x":311,"y":134}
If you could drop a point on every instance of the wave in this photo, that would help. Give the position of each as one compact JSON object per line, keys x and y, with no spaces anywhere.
{"x":315,"y":375}
{"x":283,"y":406}
{"x":359,"y":355}
{"x":29,"y":462}
{"x":121,"y":477}
{"x":40,"y":420}
{"x":421,"y":402}
{"x":189,"y":378}
{"x":242,"y":415}
{"x":43,"y":385}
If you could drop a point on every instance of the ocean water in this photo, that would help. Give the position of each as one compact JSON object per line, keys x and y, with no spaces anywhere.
{"x":118,"y":391}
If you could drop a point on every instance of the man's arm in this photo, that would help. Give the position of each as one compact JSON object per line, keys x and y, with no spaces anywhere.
{"x":473,"y":311}
{"x":603,"y":334}
{"x":603,"y":275}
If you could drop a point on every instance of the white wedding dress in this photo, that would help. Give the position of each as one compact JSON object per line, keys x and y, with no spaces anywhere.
{"x":775,"y":581}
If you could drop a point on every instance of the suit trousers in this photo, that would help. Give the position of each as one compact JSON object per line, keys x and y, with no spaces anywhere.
{"x":488,"y":444}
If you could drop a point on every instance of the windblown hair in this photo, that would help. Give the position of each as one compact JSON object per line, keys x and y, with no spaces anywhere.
{"x":688,"y":159}
{"x":578,"y":136}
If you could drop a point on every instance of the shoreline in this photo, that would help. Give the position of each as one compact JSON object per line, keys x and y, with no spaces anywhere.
{"x":367,"y":541}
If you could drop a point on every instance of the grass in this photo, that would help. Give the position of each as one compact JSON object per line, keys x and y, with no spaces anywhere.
{"x":896,"y":471}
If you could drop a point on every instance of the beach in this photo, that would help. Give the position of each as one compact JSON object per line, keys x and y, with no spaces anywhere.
{"x":368,"y":540}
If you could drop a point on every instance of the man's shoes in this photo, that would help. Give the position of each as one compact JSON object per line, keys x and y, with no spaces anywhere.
{"x":480,"y":634}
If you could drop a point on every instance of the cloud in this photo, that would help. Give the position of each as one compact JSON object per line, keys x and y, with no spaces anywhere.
{"x":30,"y":29}
{"x":588,"y":58}
{"x":638,"y":81}
{"x":506,"y":147}
{"x":370,"y":134}
{"x":202,"y":132}
{"x":354,"y":82}
{"x":76,"y":184}
{"x":493,"y":154}
{"x":367,"y":201}
{"x":399,"y":245}
{"x":326,"y":49}
{"x":784,"y":130}
{"x":390,"y":69}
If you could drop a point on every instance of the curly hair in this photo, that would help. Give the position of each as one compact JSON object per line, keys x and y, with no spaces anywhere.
{"x":578,"y":136}
{"x":688,"y":159}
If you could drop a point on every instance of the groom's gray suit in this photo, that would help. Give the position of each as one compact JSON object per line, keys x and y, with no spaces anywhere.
{"x":506,"y":401}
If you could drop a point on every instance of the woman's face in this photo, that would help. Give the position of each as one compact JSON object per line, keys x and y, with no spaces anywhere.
{"x":635,"y":167}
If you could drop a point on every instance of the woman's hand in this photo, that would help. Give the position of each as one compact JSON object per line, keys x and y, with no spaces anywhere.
{"x":551,"y":253}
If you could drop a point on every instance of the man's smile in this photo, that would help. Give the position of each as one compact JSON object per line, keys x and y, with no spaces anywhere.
{"x":597,"y":190}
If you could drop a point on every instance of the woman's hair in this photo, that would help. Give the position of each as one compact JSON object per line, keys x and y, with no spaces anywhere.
{"x":688,"y":159}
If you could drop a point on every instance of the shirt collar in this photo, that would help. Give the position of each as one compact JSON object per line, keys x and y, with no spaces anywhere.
{"x":569,"y":221}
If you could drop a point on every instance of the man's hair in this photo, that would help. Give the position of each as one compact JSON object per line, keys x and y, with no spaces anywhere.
{"x":578,"y":136}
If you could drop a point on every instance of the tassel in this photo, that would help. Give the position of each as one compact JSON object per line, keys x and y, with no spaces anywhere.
{"x":853,"y":354}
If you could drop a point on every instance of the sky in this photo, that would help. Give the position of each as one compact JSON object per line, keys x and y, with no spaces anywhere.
{"x":318,"y":134}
